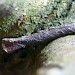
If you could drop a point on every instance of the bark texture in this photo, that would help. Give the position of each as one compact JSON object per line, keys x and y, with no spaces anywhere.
{"x":41,"y":38}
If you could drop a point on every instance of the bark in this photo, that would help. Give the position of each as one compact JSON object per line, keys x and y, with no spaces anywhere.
{"x":35,"y":40}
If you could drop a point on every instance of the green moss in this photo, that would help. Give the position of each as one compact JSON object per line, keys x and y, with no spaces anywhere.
{"x":37,"y":16}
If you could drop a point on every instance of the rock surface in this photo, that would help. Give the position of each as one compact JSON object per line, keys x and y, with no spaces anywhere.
{"x":57,"y":56}
{"x":60,"y":52}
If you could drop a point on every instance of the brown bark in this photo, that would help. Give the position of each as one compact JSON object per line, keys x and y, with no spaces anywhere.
{"x":41,"y":38}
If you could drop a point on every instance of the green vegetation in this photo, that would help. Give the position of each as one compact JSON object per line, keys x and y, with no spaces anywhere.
{"x":39,"y":16}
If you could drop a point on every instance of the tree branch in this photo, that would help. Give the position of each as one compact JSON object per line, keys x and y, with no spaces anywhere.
{"x":43,"y":37}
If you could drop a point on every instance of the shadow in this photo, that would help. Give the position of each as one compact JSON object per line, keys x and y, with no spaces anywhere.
{"x":22,"y":62}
